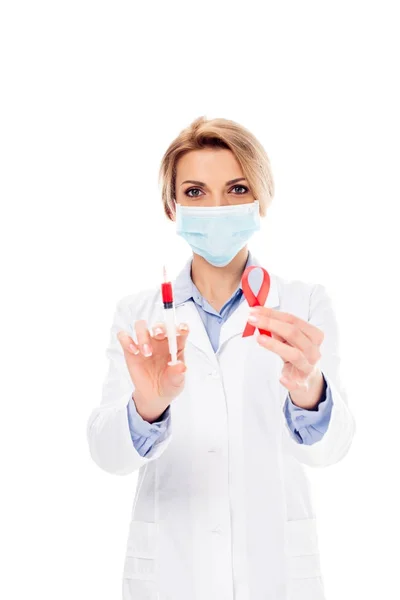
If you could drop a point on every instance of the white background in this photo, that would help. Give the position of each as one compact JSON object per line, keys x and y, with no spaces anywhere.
{"x":92,"y":94}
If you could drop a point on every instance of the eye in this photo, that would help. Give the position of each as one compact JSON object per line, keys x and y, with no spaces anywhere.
{"x":192,"y":190}
{"x":243,"y":187}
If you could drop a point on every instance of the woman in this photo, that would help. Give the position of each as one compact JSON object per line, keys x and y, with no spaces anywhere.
{"x":222,"y":508}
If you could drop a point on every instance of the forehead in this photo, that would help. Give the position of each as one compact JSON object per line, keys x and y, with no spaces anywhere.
{"x":208,"y":164}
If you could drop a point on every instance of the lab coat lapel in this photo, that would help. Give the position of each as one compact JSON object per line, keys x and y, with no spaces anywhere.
{"x":188,"y":313}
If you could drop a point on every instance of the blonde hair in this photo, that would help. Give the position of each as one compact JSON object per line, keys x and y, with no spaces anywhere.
{"x":221,"y":133}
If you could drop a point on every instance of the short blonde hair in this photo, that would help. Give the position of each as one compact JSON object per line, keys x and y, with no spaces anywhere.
{"x":221,"y":133}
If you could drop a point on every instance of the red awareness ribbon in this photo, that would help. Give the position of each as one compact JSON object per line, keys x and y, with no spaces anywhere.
{"x":253,"y":300}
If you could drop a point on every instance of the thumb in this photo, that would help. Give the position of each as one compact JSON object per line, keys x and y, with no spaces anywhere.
{"x":176,"y":373}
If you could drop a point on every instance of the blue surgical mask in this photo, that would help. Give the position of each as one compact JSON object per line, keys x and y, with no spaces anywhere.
{"x":217,"y":233}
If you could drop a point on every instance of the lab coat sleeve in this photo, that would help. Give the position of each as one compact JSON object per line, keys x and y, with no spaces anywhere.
{"x":336,"y":441}
{"x":108,"y":432}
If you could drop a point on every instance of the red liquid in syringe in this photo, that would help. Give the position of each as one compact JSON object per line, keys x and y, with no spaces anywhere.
{"x":166,"y":292}
{"x":169,"y":315}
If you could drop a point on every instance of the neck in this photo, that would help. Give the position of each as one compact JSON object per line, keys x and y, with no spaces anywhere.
{"x":217,"y":284}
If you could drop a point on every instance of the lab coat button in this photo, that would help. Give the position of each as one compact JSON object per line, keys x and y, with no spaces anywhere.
{"x":214,"y":374}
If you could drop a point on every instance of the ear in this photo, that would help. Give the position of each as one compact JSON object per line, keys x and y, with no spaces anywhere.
{"x":171,"y":213}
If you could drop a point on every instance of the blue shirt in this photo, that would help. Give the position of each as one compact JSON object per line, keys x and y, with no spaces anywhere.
{"x":306,"y":426}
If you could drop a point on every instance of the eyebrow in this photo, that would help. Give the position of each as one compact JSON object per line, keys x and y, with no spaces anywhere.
{"x":205,"y":185}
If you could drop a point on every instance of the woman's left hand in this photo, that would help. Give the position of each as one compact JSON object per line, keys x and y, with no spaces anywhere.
{"x":298,"y":343}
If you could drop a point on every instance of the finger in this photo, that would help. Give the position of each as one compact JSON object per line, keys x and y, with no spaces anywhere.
{"x":314,"y":333}
{"x":158,"y":331}
{"x":288,"y":353}
{"x":143,"y":338}
{"x":290,"y":373}
{"x":288,"y":331}
{"x":182,"y":333}
{"x":292,"y":385}
{"x":276,"y":336}
{"x":127,"y":343}
{"x":176,"y":373}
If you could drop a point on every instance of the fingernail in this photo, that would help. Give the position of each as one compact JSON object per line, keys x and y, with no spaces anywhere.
{"x":252,"y":318}
{"x":134,"y":350}
{"x":147,"y":350}
{"x":183,"y":327}
{"x":157,"y":331}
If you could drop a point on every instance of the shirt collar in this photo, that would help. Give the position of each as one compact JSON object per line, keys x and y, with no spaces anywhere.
{"x":185,"y":289}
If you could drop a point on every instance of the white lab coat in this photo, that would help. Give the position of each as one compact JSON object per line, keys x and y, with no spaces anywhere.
{"x":222,"y":509}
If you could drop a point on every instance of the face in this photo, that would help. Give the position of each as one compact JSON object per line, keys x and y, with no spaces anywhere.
{"x":211,"y":177}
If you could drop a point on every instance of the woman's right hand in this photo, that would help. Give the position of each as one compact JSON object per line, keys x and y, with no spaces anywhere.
{"x":156,"y":382}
